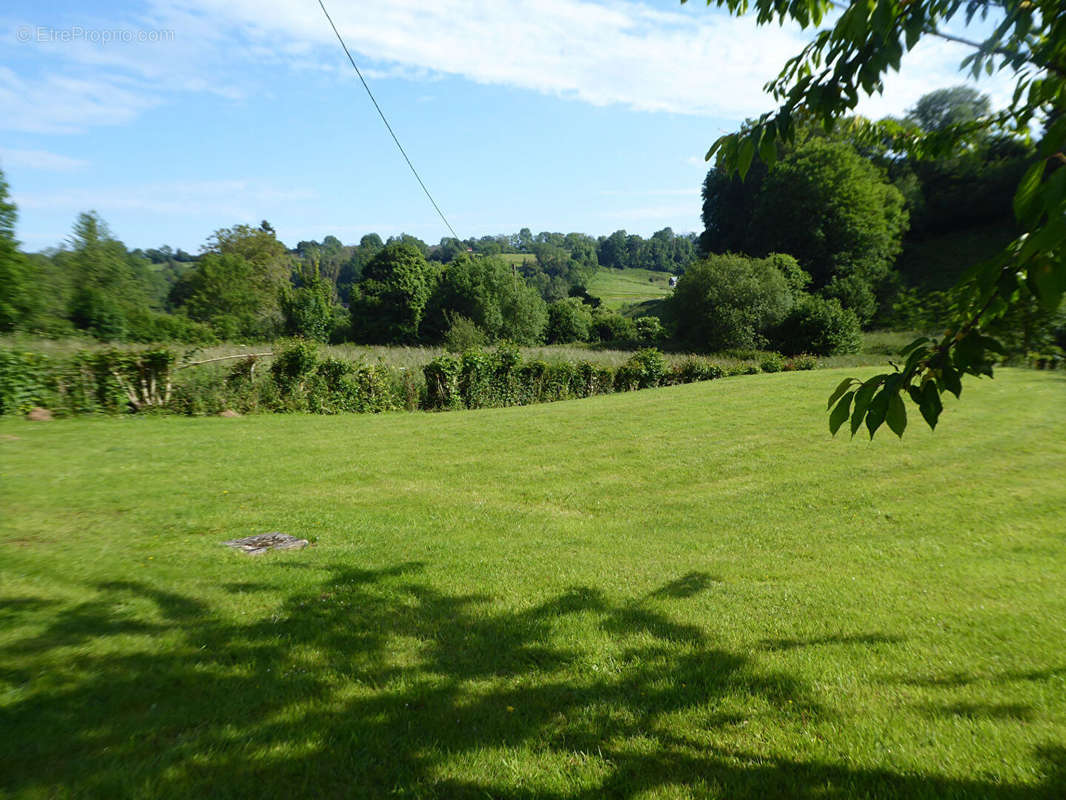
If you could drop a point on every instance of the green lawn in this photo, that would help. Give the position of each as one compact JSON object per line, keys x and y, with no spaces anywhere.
{"x":691,"y":591}
{"x":620,"y":287}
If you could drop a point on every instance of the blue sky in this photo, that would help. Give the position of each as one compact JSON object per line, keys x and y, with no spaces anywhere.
{"x":564,"y":115}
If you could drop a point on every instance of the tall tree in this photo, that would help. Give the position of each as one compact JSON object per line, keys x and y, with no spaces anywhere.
{"x":941,"y":109}
{"x":864,"y":42}
{"x":388,"y":305}
{"x":15,"y":289}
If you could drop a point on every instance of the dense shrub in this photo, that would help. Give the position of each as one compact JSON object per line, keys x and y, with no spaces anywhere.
{"x":801,"y":362}
{"x":820,"y":326}
{"x":649,"y":330}
{"x":569,"y":321}
{"x":487,"y":292}
{"x":729,"y":301}
{"x":442,"y":382}
{"x":692,"y":370}
{"x":463,"y":334}
{"x":772,"y":363}
{"x":643,"y":370}
{"x":22,"y":381}
{"x":610,"y":327}
{"x":299,"y":380}
{"x":85,"y":382}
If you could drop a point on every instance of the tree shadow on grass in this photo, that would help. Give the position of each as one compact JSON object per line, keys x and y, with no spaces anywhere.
{"x":377,"y":683}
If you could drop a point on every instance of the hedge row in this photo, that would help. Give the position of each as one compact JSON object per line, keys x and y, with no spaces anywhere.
{"x":482,"y":380}
{"x":299,"y":380}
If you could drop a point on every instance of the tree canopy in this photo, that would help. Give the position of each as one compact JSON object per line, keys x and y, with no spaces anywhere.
{"x":852,"y":55}
{"x":823,"y":204}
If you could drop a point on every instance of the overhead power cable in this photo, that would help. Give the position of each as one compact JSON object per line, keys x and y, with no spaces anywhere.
{"x":386,"y":121}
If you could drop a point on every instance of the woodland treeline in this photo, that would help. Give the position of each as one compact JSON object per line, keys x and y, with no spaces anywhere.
{"x":839,"y":235}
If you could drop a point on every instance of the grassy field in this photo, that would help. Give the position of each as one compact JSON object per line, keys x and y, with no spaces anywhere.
{"x":618,"y":288}
{"x":685,"y":592}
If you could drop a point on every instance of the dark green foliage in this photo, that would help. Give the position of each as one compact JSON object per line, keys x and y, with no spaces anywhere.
{"x":728,"y":301}
{"x":85,"y":382}
{"x":943,"y":108}
{"x":664,"y":251}
{"x":832,"y":211}
{"x":463,"y":334}
{"x":568,"y":321}
{"x":23,"y":381}
{"x":852,"y":55}
{"x":308,"y":310}
{"x":772,"y":363}
{"x":491,"y":294}
{"x":801,"y":362}
{"x":15,"y":288}
{"x":823,"y":204}
{"x":293,"y":364}
{"x":222,"y":292}
{"x":612,"y":329}
{"x":146,"y":326}
{"x":389,"y":304}
{"x":98,"y":313}
{"x":819,"y":326}
{"x":442,"y":383}
{"x":692,"y":370}
{"x":644,"y":369}
{"x":649,"y":330}
{"x":482,"y":380}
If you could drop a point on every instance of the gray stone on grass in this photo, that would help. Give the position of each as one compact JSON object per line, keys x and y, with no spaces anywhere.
{"x":260,"y":543}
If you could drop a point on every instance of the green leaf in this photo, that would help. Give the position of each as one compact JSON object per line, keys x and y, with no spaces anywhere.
{"x":840,"y":413}
{"x":745,"y":155}
{"x":767,"y":146}
{"x":1026,"y":207}
{"x":951,"y":380}
{"x":875,"y":414}
{"x":843,"y":387}
{"x":930,"y":404}
{"x":862,"y":401}
{"x":912,"y":345}
{"x":1048,"y":281}
{"x":896,"y":416}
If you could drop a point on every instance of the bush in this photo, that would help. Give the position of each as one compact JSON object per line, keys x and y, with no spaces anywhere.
{"x":649,"y":330}
{"x":772,"y":363}
{"x":23,"y":384}
{"x":86,"y":382}
{"x":729,"y":301}
{"x":293,"y":364}
{"x":644,"y":369}
{"x":568,"y":321}
{"x":801,"y":363}
{"x":463,"y":334}
{"x":692,"y":370}
{"x":820,"y":326}
{"x":442,"y":383}
{"x":610,"y":327}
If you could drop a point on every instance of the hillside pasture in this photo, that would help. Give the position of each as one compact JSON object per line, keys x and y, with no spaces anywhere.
{"x":618,"y":288}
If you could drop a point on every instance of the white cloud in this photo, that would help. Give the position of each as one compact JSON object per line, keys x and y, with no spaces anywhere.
{"x":220,"y":200}
{"x":690,"y":60}
{"x":57,"y":103}
{"x":687,"y":60}
{"x":40,"y":159}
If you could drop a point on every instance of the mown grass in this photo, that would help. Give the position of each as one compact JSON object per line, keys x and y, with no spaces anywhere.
{"x":685,"y":592}
{"x":620,"y":287}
